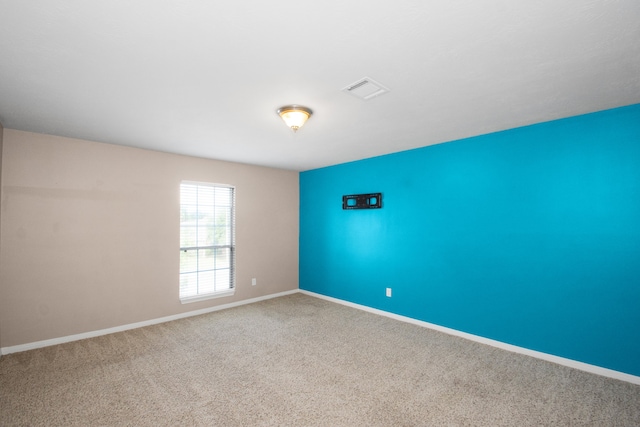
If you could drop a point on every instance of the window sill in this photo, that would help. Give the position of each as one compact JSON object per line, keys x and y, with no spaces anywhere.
{"x":197,"y":298}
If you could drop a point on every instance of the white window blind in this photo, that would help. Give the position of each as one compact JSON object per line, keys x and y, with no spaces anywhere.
{"x":207,"y":240}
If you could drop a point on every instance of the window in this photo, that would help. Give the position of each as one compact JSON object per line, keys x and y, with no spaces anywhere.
{"x":207,"y":241}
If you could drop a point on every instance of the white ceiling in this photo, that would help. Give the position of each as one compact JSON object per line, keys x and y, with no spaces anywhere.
{"x":204,"y":78}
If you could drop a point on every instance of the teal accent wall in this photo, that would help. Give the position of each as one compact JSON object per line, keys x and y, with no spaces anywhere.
{"x":529,"y":236}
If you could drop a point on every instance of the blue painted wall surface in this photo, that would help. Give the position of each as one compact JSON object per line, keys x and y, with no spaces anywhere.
{"x":529,"y":236}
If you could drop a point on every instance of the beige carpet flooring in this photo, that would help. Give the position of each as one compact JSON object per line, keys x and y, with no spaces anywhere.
{"x":299,"y":361}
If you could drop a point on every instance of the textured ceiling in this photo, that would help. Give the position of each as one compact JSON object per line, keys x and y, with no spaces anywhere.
{"x":204,"y":78}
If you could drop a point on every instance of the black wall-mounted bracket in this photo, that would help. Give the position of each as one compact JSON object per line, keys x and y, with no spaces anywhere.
{"x":362,"y":201}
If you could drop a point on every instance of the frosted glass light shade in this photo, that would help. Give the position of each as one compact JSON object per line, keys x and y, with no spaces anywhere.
{"x":294,"y":116}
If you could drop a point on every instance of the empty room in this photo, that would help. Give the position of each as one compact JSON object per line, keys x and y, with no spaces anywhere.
{"x":319,"y":213}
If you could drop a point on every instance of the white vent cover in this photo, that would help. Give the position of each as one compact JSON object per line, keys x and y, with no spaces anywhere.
{"x":365,"y":88}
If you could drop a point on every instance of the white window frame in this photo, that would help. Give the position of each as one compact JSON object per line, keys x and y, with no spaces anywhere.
{"x":205,"y":278}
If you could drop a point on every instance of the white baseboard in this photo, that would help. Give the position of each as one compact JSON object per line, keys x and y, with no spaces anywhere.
{"x":504,"y":346}
{"x":69,"y":338}
{"x":593,"y":369}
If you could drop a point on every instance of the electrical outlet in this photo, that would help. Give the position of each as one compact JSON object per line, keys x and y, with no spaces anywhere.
{"x":389,"y":292}
{"x":253,"y":282}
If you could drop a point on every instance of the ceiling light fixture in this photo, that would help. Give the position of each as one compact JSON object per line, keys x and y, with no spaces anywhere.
{"x":294,"y":115}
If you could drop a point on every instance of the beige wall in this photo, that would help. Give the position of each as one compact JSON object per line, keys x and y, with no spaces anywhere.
{"x":90,"y":236}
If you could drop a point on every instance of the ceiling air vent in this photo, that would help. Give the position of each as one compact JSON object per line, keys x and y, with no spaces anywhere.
{"x":366,"y":88}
